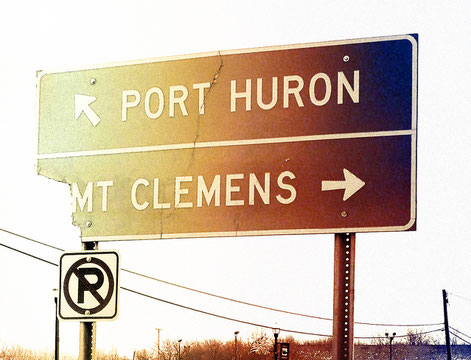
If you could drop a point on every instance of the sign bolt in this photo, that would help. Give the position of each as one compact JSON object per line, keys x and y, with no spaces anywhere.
{"x":344,"y":214}
{"x":346,"y":58}
{"x":89,"y":258}
{"x":92,"y":81}
{"x":88,"y":224}
{"x":87,"y":312}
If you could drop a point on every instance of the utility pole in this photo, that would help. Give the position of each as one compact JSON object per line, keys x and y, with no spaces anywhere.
{"x":235,"y":344}
{"x":447,"y":330}
{"x":56,"y":345}
{"x":158,"y":343}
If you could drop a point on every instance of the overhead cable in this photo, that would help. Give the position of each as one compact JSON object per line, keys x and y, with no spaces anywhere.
{"x":235,"y":300}
{"x":209,"y":313}
{"x":30,"y":239}
{"x":28,"y":254}
{"x":398,"y":336}
{"x":221,"y":316}
{"x":451,"y":327}
{"x":176,"y":304}
{"x":466,"y":341}
{"x":459,"y":296}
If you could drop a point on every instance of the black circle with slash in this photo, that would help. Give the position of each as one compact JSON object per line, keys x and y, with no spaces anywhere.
{"x":85,"y":285}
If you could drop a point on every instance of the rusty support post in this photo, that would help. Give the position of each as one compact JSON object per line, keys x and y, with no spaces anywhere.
{"x":344,"y":295}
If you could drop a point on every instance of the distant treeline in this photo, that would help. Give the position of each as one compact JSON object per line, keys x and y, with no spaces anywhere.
{"x":313,"y":350}
{"x":260,"y":347}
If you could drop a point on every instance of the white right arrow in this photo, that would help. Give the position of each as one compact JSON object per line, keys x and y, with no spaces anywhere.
{"x":82,"y":105}
{"x":351,"y":184}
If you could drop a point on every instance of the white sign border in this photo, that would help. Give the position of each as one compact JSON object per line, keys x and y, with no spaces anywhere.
{"x":412,"y":132}
{"x":116,"y":274}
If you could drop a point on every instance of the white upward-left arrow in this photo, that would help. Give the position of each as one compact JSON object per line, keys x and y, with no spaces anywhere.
{"x":82,"y":105}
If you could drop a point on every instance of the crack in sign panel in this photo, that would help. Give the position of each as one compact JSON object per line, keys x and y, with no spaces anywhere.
{"x":214,"y":82}
{"x":236,"y":226}
{"x":81,"y":220}
{"x":165,"y":215}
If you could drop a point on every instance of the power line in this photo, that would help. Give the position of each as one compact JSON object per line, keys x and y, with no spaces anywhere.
{"x":235,"y":300}
{"x":226,"y":298}
{"x":221,"y":316}
{"x":399,"y":336}
{"x":421,"y":333}
{"x":269,"y":308}
{"x":181,"y":286}
{"x":467,"y":342}
{"x":260,"y":325}
{"x":28,"y":254}
{"x":206,"y":312}
{"x":30,"y":239}
{"x":460,"y":332}
{"x":397,"y":325}
{"x":176,"y":304}
{"x":459,"y":296}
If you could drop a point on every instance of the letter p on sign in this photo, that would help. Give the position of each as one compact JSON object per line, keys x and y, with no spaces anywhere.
{"x":89,"y":286}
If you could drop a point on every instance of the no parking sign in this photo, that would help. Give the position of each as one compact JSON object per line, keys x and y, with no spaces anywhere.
{"x":89,"y":285}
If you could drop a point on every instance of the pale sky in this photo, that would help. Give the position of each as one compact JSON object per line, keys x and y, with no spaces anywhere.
{"x":399,"y":276}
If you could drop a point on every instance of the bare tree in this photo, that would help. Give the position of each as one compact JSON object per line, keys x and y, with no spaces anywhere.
{"x":260,"y":342}
{"x":145,"y":354}
{"x":379,"y":339}
{"x":417,"y":338}
{"x":214,"y":348}
{"x":169,"y":350}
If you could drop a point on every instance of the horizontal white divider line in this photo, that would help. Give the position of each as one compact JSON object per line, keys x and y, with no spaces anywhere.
{"x":210,"y":144}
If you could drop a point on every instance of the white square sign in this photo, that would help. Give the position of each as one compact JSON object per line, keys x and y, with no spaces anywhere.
{"x":89,"y":285}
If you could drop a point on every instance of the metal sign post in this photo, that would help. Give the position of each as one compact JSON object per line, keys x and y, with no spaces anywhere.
{"x":344,"y":294}
{"x":87,"y":340}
